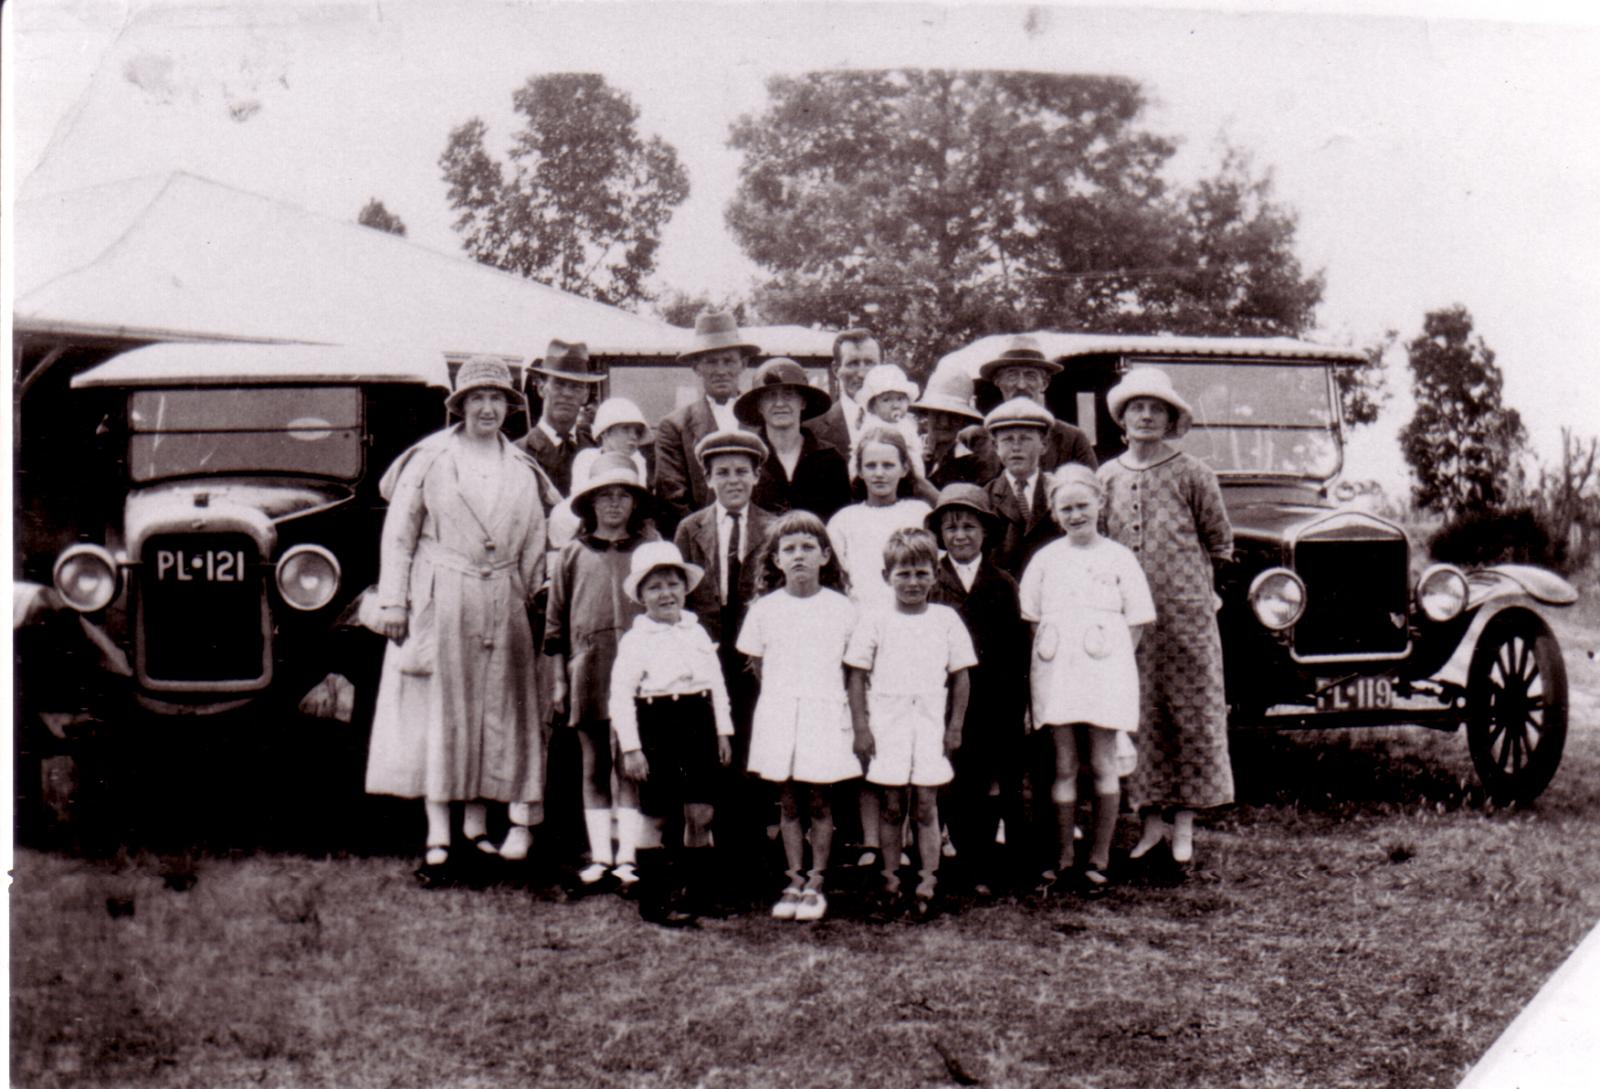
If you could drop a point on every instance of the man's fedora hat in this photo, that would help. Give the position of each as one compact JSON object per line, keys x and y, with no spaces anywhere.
{"x":1022,"y":351}
{"x":713,"y":331}
{"x":780,"y":373}
{"x":569,"y":361}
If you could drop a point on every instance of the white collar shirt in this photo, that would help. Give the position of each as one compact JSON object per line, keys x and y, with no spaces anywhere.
{"x":723,"y":414}
{"x":724,"y":529}
{"x":966,"y":572}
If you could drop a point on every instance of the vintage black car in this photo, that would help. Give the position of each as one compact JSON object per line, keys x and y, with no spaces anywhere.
{"x":1330,"y":616}
{"x":206,"y":540}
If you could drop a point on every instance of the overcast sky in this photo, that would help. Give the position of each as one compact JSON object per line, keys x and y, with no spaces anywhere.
{"x":1432,"y":158}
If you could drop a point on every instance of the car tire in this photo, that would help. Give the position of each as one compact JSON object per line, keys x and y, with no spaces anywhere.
{"x":1516,"y":707}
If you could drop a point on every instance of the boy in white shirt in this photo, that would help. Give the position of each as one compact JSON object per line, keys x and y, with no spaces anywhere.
{"x":669,"y":708}
{"x":905,"y":725}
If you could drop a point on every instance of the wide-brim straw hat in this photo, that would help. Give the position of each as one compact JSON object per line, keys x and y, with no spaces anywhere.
{"x":780,"y":373}
{"x":746,"y":443}
{"x":886,"y":378}
{"x":948,"y":391}
{"x":1019,"y":412}
{"x":653,"y":555}
{"x":484,"y":372}
{"x":715,"y":330}
{"x":614,"y":411}
{"x":569,"y":361}
{"x":609,"y":470}
{"x":1150,"y":382}
{"x":962,"y":497}
{"x":1021,"y":351}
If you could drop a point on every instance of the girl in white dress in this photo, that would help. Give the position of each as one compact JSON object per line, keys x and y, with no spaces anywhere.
{"x":801,"y":736}
{"x":1087,"y":600}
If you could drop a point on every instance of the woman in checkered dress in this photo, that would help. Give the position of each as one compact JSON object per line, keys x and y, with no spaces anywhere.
{"x":1166,"y":506}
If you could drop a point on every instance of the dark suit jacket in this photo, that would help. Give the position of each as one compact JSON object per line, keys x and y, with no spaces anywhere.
{"x":1026,"y":531}
{"x":831,"y":430}
{"x":993,"y":617}
{"x":680,"y":484}
{"x":550,"y":458}
{"x":821,"y":483}
{"x":697,"y":540}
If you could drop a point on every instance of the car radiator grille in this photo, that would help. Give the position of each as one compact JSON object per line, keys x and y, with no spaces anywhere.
{"x":1356,"y":597}
{"x":201,"y":610}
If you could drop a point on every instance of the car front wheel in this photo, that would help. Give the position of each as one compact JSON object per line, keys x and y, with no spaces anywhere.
{"x":1516,"y":707}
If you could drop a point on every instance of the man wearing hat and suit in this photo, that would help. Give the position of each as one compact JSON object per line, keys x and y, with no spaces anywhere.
{"x":855,"y":352}
{"x":1020,"y":495}
{"x":989,"y":765}
{"x":565,"y":385}
{"x":718,"y":355}
{"x":1022,"y":370}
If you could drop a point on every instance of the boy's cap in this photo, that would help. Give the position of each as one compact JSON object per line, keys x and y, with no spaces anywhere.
{"x":730,"y":442}
{"x":614,"y":411}
{"x":653,"y":554}
{"x":886,"y":378}
{"x":1019,"y":412}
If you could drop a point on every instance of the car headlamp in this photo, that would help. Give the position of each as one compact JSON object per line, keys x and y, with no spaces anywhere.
{"x":86,"y":577}
{"x":1442,"y":592}
{"x":1278,"y":598}
{"x":308,"y":577}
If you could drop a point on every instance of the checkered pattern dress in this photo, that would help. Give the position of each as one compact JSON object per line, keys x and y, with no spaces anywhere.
{"x":1171,"y":515}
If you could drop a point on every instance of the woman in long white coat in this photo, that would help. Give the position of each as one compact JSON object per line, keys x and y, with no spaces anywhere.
{"x":459,"y":714}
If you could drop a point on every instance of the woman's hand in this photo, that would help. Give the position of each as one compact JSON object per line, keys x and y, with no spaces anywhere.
{"x":724,"y":750}
{"x":392,"y":622}
{"x":635,"y":766}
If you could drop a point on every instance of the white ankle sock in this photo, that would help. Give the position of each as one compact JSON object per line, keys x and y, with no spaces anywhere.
{"x":598,"y":823}
{"x":629,"y":828}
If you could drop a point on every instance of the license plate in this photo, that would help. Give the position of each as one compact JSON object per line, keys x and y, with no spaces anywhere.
{"x":1358,"y":694}
{"x":199,"y":565}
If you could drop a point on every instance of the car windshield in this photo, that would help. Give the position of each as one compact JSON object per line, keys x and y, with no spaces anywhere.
{"x":310,"y":430}
{"x":1256,"y":418}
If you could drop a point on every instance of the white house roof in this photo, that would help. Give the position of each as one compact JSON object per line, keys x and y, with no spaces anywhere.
{"x":234,"y":364}
{"x":180,"y":257}
{"x":1068,"y":345}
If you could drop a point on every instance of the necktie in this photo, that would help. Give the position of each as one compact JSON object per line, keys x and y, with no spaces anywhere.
{"x":1020,"y":488}
{"x":732,"y":564}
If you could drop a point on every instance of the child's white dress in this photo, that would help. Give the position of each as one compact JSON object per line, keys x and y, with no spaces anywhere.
{"x":910,"y":656}
{"x":1084,"y":599}
{"x":859,"y":532}
{"x":801,"y":728}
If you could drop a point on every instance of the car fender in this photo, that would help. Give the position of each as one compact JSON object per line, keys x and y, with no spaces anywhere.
{"x":1495,"y":590}
{"x":32,"y":603}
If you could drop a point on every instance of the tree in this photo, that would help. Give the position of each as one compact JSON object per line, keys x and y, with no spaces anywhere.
{"x":1462,"y":442}
{"x":583,"y":200}
{"x":1364,"y":387}
{"x":680,"y":309}
{"x":940,"y":206}
{"x":376,"y":216}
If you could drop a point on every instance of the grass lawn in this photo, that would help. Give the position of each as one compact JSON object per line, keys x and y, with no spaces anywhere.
{"x":1360,"y":918}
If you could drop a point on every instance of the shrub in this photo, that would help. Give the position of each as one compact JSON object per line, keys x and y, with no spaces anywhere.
{"x":1504,"y":536}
